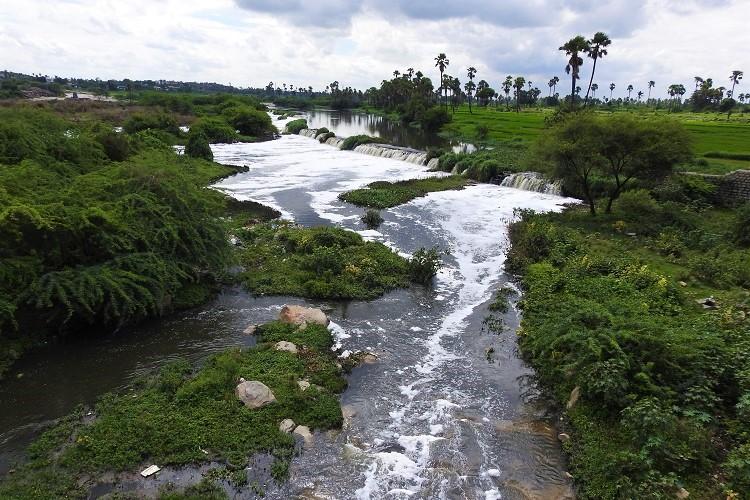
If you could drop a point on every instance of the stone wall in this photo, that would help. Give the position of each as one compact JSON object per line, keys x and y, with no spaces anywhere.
{"x":733,"y":187}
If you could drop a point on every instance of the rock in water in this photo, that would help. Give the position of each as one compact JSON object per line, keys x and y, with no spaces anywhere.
{"x":298,"y":315}
{"x":287,"y":425}
{"x":254,"y":394}
{"x":304,"y":432}
{"x":286,"y":346}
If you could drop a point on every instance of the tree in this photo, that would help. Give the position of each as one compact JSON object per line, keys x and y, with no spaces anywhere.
{"x":442,"y":62}
{"x":550,"y":84}
{"x":556,"y":79}
{"x":651,"y":85}
{"x":640,"y":95}
{"x":469,"y":87}
{"x":507,"y":86}
{"x":596,"y":51}
{"x":735,"y":78}
{"x":611,"y":89}
{"x":629,"y":89}
{"x":594,"y":88}
{"x":518,"y":84}
{"x":573,"y":48}
{"x":698,"y":81}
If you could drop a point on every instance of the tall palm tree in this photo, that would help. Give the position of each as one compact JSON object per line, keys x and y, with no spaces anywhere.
{"x":507,"y":86}
{"x":597,"y":50}
{"x":629,"y":89}
{"x":550,"y":84}
{"x":396,"y":73}
{"x":594,"y":88}
{"x":698,"y":81}
{"x":640,"y":95}
{"x":573,"y":48}
{"x":442,"y":62}
{"x":518,"y":84}
{"x":471,"y":73}
{"x":611,"y":89}
{"x":554,"y":87}
{"x":410,"y":72}
{"x":651,"y":85}
{"x":735,"y":78}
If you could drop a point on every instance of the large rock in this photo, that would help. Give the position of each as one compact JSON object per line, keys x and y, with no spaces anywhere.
{"x":254,"y":394}
{"x":286,"y":346}
{"x":302,"y":316}
{"x":304,"y":432}
{"x":287,"y":425}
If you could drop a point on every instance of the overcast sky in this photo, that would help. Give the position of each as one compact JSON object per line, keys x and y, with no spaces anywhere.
{"x":361,"y":42}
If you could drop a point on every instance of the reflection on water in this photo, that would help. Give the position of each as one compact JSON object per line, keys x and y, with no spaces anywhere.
{"x":347,"y":123}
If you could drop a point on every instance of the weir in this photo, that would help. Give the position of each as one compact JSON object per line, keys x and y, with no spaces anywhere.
{"x":532,"y":181}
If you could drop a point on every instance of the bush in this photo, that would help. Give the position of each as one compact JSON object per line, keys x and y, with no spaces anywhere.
{"x":198,"y":147}
{"x":249,"y":121}
{"x":357,"y":140}
{"x":728,"y":155}
{"x":635,"y":204}
{"x":741,"y":226}
{"x":215,"y":130}
{"x":424,"y":265}
{"x":155,"y":121}
{"x":372,"y":219}
{"x":434,"y":118}
{"x":116,"y":146}
{"x":294,"y":126}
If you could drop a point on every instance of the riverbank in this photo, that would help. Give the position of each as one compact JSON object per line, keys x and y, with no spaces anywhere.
{"x":183,"y":418}
{"x":638,"y":324}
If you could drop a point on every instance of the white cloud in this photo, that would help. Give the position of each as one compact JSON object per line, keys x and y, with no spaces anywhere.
{"x":361,"y":42}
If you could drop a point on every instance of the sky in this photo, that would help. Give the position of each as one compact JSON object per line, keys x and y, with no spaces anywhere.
{"x":361,"y":42}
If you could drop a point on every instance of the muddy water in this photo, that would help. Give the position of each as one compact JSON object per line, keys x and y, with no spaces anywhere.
{"x":432,"y":418}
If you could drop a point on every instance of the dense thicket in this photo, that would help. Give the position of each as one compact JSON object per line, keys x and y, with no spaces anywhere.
{"x":87,"y":240}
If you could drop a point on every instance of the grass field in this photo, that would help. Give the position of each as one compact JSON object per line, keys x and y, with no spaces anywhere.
{"x":710,"y":131}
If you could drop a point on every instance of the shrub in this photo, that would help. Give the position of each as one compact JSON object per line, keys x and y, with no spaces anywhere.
{"x":216,"y":130}
{"x":249,"y":121}
{"x":116,"y":146}
{"x":197,"y":146}
{"x":294,"y":126}
{"x":357,"y":140}
{"x":155,"y":121}
{"x":741,"y":226}
{"x":636,"y":204}
{"x":372,"y":219}
{"x":434,"y":118}
{"x":424,"y":265}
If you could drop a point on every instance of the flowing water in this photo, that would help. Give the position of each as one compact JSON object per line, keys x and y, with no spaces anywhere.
{"x":434,"y":417}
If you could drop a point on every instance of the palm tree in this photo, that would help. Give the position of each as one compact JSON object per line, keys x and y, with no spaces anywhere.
{"x":518,"y":85}
{"x":735,"y":78}
{"x":442,"y":62}
{"x":640,"y":94}
{"x":507,"y":86}
{"x":629,"y":89}
{"x":396,"y":73}
{"x":651,"y":84}
{"x":596,"y":51}
{"x":550,"y":84}
{"x":410,"y":72}
{"x":611,"y":89}
{"x":594,"y":88}
{"x":554,"y":87}
{"x":698,"y":81}
{"x":471,"y":73}
{"x":573,"y":48}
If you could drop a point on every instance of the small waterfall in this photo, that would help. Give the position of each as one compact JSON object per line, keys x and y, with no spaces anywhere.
{"x":433,"y":164}
{"x":532,"y":181}
{"x":393,"y":152}
{"x":336,"y":142}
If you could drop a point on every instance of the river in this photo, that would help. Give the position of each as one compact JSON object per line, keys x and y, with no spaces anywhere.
{"x":434,"y":417}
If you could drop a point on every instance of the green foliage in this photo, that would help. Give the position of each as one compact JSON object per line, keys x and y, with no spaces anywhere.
{"x":661,"y":380}
{"x":197,"y":146}
{"x":357,"y":140}
{"x":151,"y":120}
{"x":170,"y":419}
{"x":728,"y":155}
{"x":486,"y":164}
{"x":249,"y":121}
{"x":372,"y":219}
{"x":215,"y":129}
{"x":383,"y":194}
{"x":741,"y":226}
{"x":294,"y":126}
{"x":321,"y":262}
{"x":424,"y":265}
{"x":85,"y":241}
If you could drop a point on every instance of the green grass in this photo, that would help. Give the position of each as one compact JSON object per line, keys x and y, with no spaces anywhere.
{"x":321,"y":262}
{"x":182,"y":417}
{"x":383,"y":194}
{"x":709,"y":131}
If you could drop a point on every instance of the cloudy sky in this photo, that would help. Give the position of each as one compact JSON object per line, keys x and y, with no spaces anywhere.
{"x":361,"y":42}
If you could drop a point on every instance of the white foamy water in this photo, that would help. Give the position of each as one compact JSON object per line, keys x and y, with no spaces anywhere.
{"x":417,"y":396}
